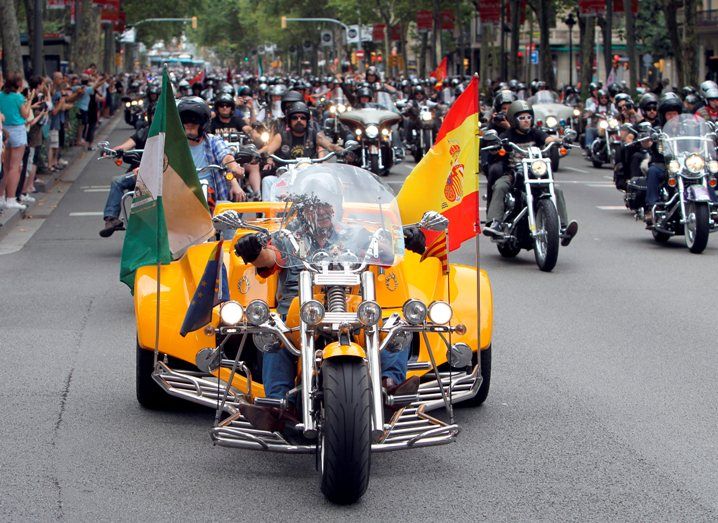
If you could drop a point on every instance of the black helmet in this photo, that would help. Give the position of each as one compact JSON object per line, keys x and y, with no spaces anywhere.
{"x":290,"y":97}
{"x":245,"y":90}
{"x":601,"y":94}
{"x":503,"y":97}
{"x":278,"y":90}
{"x":193,"y":109}
{"x":687,"y":90}
{"x":647,"y":100}
{"x":154,"y":89}
{"x":644,"y":129}
{"x":513,"y":84}
{"x":298,"y":107}
{"x":224,"y":98}
{"x":623,"y":97}
{"x":418,"y":89}
{"x":517,"y":107}
{"x":592,"y":87}
{"x":669,"y":102}
{"x":692,"y":100}
{"x":614,"y":89}
{"x":365,"y":92}
{"x":226,"y":88}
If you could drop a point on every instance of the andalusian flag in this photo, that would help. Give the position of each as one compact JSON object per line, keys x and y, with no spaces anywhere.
{"x":169,"y":212}
{"x":446,"y":179}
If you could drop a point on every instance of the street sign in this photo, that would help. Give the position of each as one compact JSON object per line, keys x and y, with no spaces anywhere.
{"x":534,"y":57}
{"x":326,"y":39}
{"x":360,"y":54}
{"x":424,"y":20}
{"x":128,"y":37}
{"x":353,"y":34}
{"x":367,"y":32}
{"x":378,"y":33}
{"x":490,"y":11}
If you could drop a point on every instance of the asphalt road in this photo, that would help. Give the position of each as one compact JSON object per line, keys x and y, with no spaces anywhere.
{"x":602,"y":403}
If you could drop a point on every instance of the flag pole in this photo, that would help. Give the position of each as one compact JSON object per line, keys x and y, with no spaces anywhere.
{"x":163,"y":94}
{"x":477,"y":225}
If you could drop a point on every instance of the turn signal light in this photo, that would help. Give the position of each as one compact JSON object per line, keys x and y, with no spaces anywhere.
{"x":563,"y":151}
{"x":502,"y":152}
{"x":118,"y":162}
{"x":671,"y":182}
{"x":712,"y":182}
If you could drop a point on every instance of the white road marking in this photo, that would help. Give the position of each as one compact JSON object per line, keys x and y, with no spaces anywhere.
{"x":97,"y":189}
{"x":83,"y":187}
{"x":608,"y":185}
{"x":575,"y":169}
{"x":611,"y":207}
{"x":608,"y":177}
{"x":91,"y":213}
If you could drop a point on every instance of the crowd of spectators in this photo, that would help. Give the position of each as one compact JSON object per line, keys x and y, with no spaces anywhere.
{"x":41,"y":118}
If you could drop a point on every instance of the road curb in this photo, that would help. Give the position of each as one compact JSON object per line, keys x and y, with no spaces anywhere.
{"x":11,"y":217}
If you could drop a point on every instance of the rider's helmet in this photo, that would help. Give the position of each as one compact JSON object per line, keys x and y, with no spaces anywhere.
{"x":224,"y":99}
{"x":687,"y":90}
{"x":227,"y":88}
{"x":371,"y":71}
{"x":183,"y":86}
{"x":517,"y":107}
{"x":533,"y":86}
{"x":297,"y":108}
{"x":593,"y":86}
{"x":623,"y":97}
{"x":503,"y":97}
{"x":278,"y":90}
{"x":600,"y":94}
{"x":364,"y":92}
{"x":418,"y":89}
{"x":711,"y":93}
{"x":669,"y":102}
{"x":614,"y":89}
{"x":455,"y":81}
{"x":541,"y":86}
{"x":647,"y":100}
{"x":513,"y":84}
{"x":154,"y":90}
{"x":245,"y":90}
{"x":290,"y":97}
{"x":708,"y":84}
{"x":193,"y":109}
{"x":692,"y":101}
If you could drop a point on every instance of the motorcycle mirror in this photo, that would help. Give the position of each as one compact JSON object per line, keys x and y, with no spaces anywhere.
{"x":570,"y":134}
{"x":208,"y":359}
{"x":433,"y":221}
{"x":351,"y":145}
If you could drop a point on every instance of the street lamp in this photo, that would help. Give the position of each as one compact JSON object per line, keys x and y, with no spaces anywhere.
{"x":570,"y":21}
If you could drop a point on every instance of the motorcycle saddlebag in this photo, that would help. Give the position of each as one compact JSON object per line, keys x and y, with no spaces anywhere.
{"x":636,"y":193}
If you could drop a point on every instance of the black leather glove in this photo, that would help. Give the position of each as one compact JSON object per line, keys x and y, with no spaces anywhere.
{"x":414,"y":239}
{"x":248,"y":247}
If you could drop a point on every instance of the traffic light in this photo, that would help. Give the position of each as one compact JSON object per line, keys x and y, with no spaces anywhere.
{"x":284,"y":22}
{"x":246,"y":58}
{"x":194,"y":22}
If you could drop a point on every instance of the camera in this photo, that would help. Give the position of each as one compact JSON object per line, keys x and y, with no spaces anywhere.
{"x":499,"y":117}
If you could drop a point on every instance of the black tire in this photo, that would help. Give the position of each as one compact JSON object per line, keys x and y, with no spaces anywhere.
{"x":483,"y":391}
{"x":428,"y":140}
{"x":149,"y":394}
{"x":374,"y":163}
{"x":697,"y":237}
{"x":546,"y":252}
{"x":597,"y":164}
{"x":555,"y":157}
{"x":661,"y":237}
{"x":345,"y":459}
{"x":418,"y":154}
{"x":508,"y":250}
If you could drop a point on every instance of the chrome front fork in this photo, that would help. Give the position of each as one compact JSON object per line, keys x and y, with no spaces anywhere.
{"x":373,"y":361}
{"x":307,"y":355}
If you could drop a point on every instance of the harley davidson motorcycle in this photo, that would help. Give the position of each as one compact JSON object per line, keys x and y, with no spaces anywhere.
{"x":372,"y":128}
{"x":134,"y":110}
{"x":531,"y":218}
{"x":357,"y":299}
{"x":422,"y":129}
{"x":688,"y":204}
{"x":604,"y":147}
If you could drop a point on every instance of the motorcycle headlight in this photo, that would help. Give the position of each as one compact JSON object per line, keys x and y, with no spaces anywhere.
{"x":264,"y":137}
{"x":358,"y":132}
{"x":539,"y":167}
{"x":440,"y":312}
{"x":713,"y":166}
{"x":341,"y":108}
{"x":695,"y":163}
{"x":266,"y":341}
{"x":385,"y":132}
{"x":312,"y":313}
{"x":257,"y":312}
{"x":551,"y":121}
{"x":613,"y":123}
{"x":414,"y":312}
{"x":372,"y":131}
{"x":369,"y":313}
{"x":127,"y":104}
{"x":603,"y":124}
{"x":231,"y":313}
{"x":140,"y":102}
{"x":426,"y":116}
{"x":674,"y":167}
{"x":133,"y":102}
{"x":333,"y":109}
{"x":576,"y":112}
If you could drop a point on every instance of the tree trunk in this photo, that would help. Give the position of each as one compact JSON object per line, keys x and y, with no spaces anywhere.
{"x":633,"y":65}
{"x":515,"y":7}
{"x":404,"y":53}
{"x":587,"y":27}
{"x":606,"y":23}
{"x":545,"y":58}
{"x":436,"y":36}
{"x":670,"y":8}
{"x":690,"y":43}
{"x":108,"y":61}
{"x":12,"y":53}
{"x":86,"y":48}
{"x":422,"y":57}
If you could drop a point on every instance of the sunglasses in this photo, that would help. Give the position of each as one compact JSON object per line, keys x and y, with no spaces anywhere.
{"x":652,"y":108}
{"x":223,"y":105}
{"x":524,"y":118}
{"x":298,"y":117}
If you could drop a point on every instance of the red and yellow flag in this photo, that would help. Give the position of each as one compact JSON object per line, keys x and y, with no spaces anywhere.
{"x":441,"y":72}
{"x":446,"y":179}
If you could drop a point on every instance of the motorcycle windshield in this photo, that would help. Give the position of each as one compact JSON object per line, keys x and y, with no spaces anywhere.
{"x":544,"y":97}
{"x":385,"y":101}
{"x":337,"y":216}
{"x":687,"y":134}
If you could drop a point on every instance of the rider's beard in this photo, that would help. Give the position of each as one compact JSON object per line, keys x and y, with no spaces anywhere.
{"x":298,"y":127}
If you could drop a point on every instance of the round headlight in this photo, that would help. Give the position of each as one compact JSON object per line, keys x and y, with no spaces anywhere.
{"x":372,"y":131}
{"x":341,"y":108}
{"x":333,"y":109}
{"x":257,"y":312}
{"x":266,"y":341}
{"x":577,"y":112}
{"x":358,"y":132}
{"x":551,"y":121}
{"x":133,"y":102}
{"x":349,"y":108}
{"x":612,"y":123}
{"x":127,"y":104}
{"x":385,"y":132}
{"x":674,"y":167}
{"x":414,"y":312}
{"x":695,"y":163}
{"x":312,"y":312}
{"x":264,"y":137}
{"x":399,"y":341}
{"x":603,"y":124}
{"x":539,"y":167}
{"x":369,"y":313}
{"x":140,"y":102}
{"x":440,"y":312}
{"x":426,"y":116}
{"x":713,"y":166}
{"x":231,"y":313}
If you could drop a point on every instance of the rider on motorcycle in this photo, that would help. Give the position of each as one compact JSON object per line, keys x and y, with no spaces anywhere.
{"x":521,"y":117}
{"x":602,"y":104}
{"x":669,"y":106}
{"x":709,"y":112}
{"x":322,"y":228}
{"x":648,"y":104}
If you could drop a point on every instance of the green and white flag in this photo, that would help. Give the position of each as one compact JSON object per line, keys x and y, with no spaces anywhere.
{"x":169,"y":212}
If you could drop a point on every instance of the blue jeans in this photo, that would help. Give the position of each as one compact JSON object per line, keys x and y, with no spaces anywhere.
{"x":120,"y":184}
{"x":279,"y":370}
{"x":591,"y":135}
{"x":656,"y":175}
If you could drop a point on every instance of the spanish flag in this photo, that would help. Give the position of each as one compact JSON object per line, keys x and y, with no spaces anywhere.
{"x":440,"y":73}
{"x":446,"y":179}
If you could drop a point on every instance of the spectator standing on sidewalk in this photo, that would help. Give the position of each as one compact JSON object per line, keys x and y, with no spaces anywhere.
{"x":16,"y":109}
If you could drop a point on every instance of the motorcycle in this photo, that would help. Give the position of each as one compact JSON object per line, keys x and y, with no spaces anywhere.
{"x":360,"y":298}
{"x":373,"y":130}
{"x":531,"y":218}
{"x":688,"y":205}
{"x":422,"y":130}
{"x":134,"y":110}
{"x":131,"y":158}
{"x":604,"y":147}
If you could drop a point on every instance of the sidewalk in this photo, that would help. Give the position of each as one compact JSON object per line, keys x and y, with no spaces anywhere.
{"x":76,"y":157}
